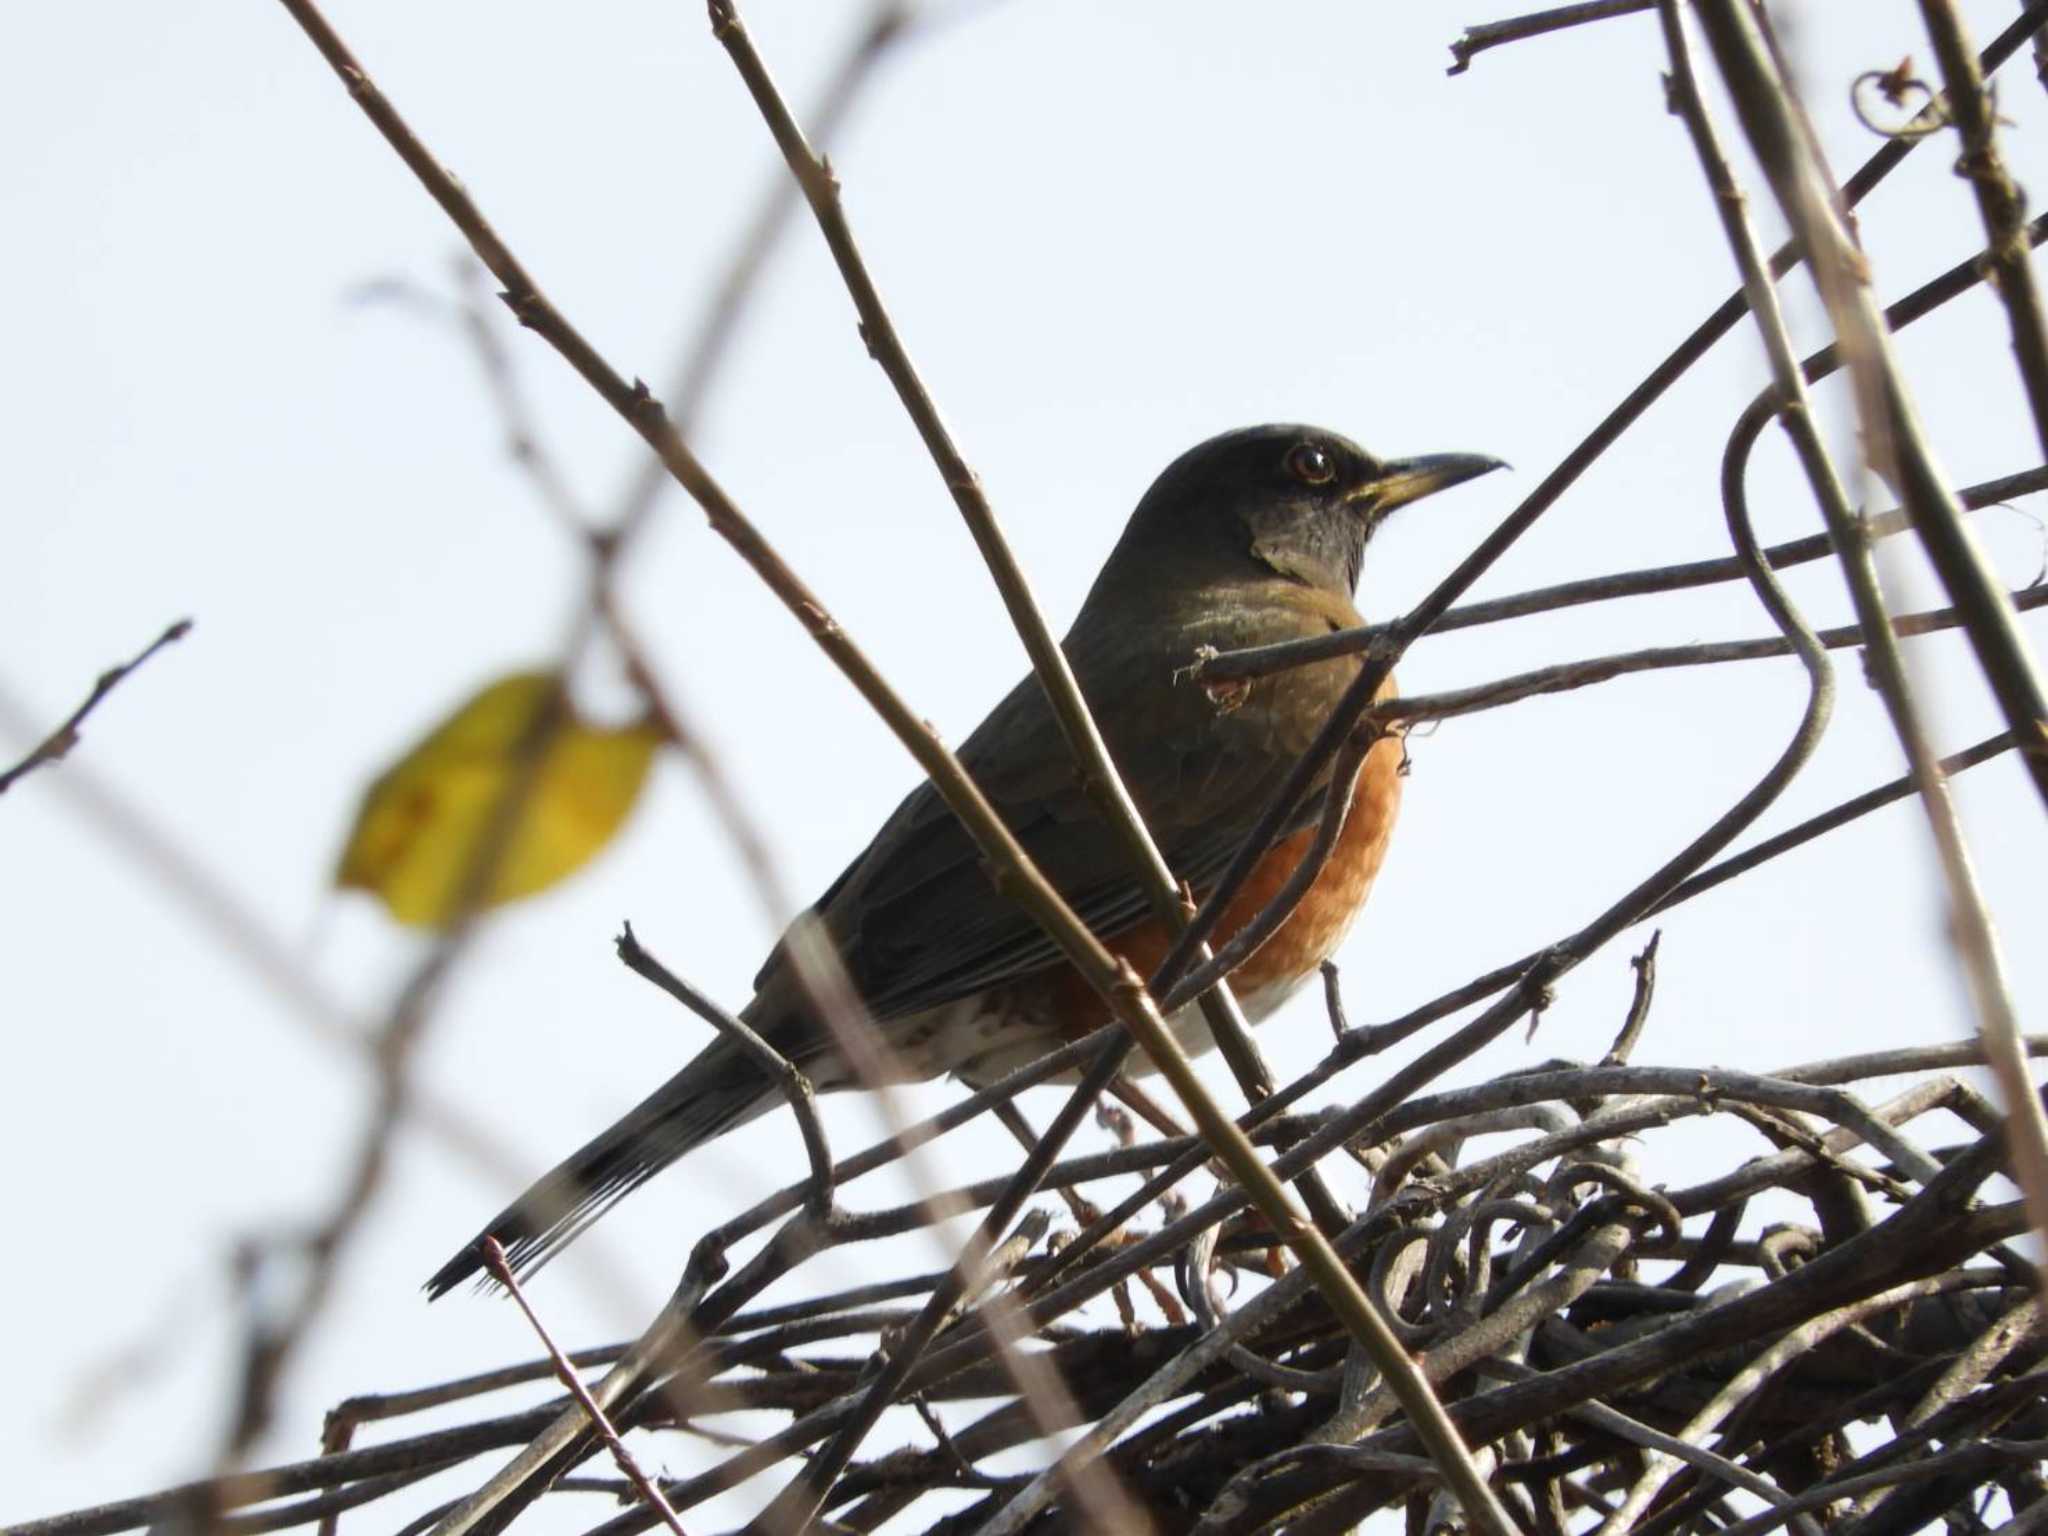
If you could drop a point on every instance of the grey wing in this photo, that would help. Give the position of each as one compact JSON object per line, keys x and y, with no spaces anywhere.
{"x":918,"y":917}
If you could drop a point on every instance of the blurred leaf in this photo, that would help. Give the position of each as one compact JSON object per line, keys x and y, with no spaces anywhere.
{"x":425,"y":823}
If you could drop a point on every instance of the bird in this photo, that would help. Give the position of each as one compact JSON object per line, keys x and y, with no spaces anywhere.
{"x":1252,"y":537}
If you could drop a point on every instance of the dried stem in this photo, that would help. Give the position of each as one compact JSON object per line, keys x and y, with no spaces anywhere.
{"x":1557,"y":1247}
{"x":1974,"y":114}
{"x":1565,"y":676}
{"x":1247,"y":941}
{"x":1259,"y":661}
{"x":53,"y":747}
{"x":796,"y":1088}
{"x":1893,"y":436}
{"x":1013,"y":868}
{"x":1491,"y":34}
{"x":1892,"y":431}
{"x":1084,"y":738}
{"x":494,"y":1261}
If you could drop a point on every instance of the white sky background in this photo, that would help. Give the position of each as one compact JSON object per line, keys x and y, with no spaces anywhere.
{"x":1106,"y":232}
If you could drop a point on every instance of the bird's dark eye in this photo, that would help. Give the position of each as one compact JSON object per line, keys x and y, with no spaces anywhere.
{"x":1311,"y":464}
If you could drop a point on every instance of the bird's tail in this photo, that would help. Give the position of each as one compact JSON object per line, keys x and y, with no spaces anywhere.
{"x":719,"y":1089}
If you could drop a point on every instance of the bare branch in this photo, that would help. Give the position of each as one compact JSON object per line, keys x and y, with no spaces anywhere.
{"x":1899,"y":450}
{"x":1563,"y":677}
{"x":1084,"y":738}
{"x":796,"y":1088}
{"x":1973,"y":112}
{"x":494,"y":1261}
{"x":1491,"y":34}
{"x":59,"y":742}
{"x":1858,"y":1270}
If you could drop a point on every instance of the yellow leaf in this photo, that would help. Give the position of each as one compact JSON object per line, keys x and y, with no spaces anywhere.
{"x":424,"y":825}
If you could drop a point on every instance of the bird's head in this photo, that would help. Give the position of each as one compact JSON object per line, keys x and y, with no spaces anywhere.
{"x":1293,"y":501}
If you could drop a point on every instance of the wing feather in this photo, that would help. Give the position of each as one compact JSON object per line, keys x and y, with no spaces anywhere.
{"x":917,"y":917}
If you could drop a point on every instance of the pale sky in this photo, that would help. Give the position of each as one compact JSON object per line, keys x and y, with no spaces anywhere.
{"x":1106,"y":232}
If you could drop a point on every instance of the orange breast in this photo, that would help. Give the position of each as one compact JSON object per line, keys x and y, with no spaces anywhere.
{"x":1316,"y":927}
{"x":1311,"y":935}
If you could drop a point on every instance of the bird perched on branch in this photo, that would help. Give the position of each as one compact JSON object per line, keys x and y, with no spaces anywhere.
{"x":1253,"y":537}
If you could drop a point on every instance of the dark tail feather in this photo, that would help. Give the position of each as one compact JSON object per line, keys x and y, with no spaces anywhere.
{"x":718,"y":1090}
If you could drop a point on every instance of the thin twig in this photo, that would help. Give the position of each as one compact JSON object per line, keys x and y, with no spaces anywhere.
{"x":823,"y":1388}
{"x":1690,"y":574}
{"x":1973,"y":1459}
{"x":796,"y":1087}
{"x":802,"y":1498}
{"x":1247,"y":941}
{"x":667,"y":1337}
{"x":1891,"y":430}
{"x":1714,"y":875}
{"x":1753,"y":1378}
{"x":1645,"y":967}
{"x":1892,"y":434}
{"x":271,"y":1345}
{"x":888,"y":24}
{"x":1049,"y":662}
{"x":1638,"y":1433}
{"x":53,"y":747}
{"x":1565,"y":676}
{"x":1491,"y":34}
{"x":1769,"y":848}
{"x":2003,"y":206}
{"x":523,"y":444}
{"x":1259,"y":661}
{"x":1012,"y":866}
{"x":430,"y":1450}
{"x":501,"y":1271}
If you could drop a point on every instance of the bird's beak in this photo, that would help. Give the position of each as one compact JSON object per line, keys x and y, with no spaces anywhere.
{"x":1401,"y":481}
